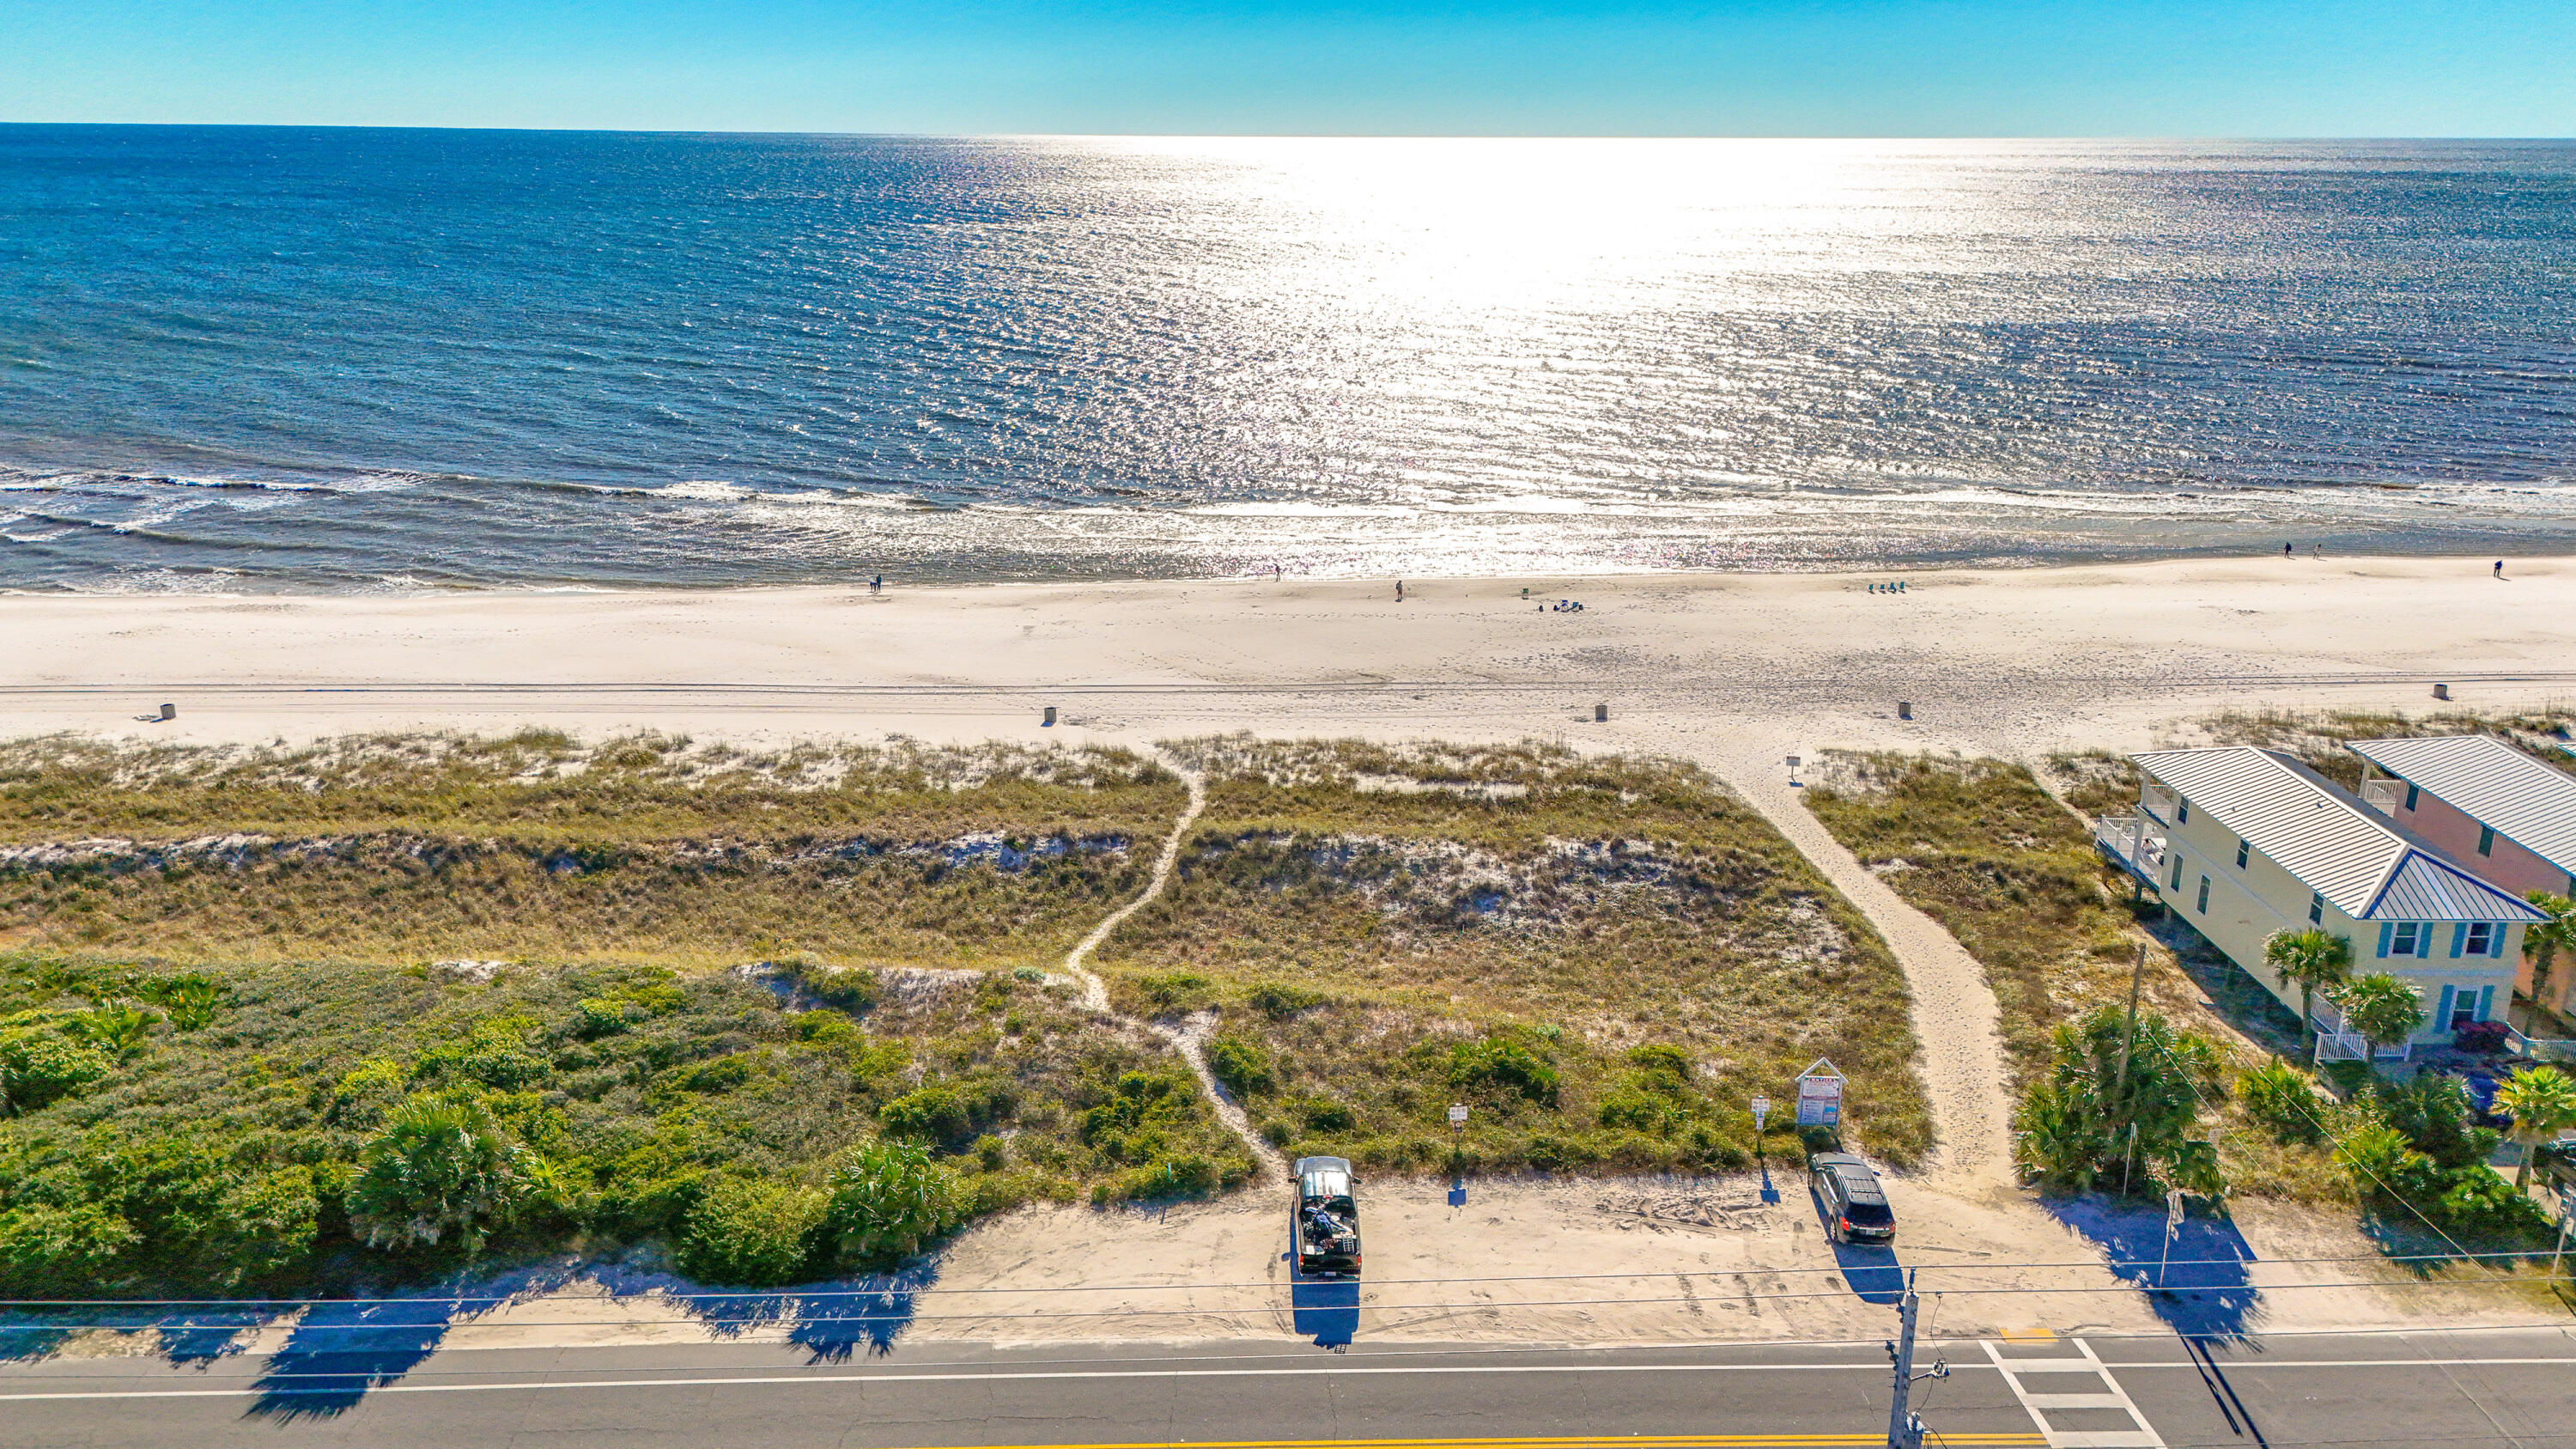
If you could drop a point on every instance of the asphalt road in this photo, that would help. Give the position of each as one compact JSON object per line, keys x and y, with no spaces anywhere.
{"x":2515,"y":1388}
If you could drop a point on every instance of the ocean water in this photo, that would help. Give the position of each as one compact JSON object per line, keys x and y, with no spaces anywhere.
{"x":282,"y":359}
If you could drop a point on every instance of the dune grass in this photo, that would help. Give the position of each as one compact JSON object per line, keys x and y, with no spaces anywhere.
{"x":411,"y":848}
{"x":678,"y":976}
{"x":1382,"y":932}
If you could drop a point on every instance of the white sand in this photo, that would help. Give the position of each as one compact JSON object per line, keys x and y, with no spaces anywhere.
{"x":1734,"y":672}
{"x":2010,"y":661}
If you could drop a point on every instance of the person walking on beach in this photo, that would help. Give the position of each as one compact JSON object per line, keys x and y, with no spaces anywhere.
{"x":2499,"y":573}
{"x":1399,"y":591}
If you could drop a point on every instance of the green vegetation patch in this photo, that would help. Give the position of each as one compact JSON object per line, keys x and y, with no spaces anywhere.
{"x":1380,"y":932}
{"x":332,"y":1124}
{"x":403,"y":848}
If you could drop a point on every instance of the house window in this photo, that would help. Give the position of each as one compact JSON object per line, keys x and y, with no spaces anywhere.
{"x":2464,"y":1009}
{"x":2182,"y":811}
{"x":2411,"y":793}
{"x":2316,"y":908}
{"x":2177,"y":880}
{"x":2482,"y":936}
{"x":2486,"y":840}
{"x":2240,"y":855}
{"x":2204,"y":895}
{"x":2404,"y":942}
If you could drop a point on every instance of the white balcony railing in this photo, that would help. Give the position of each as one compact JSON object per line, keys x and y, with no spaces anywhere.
{"x":2135,"y":841}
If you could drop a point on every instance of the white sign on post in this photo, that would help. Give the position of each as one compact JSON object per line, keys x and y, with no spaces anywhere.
{"x":1820,"y":1095}
{"x":1761,"y":1109}
{"x":1457,"y":1115}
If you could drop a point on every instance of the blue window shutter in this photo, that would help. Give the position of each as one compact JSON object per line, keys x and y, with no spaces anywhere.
{"x":2486,"y":1000}
{"x":2459,"y":937}
{"x":2442,"y":1009}
{"x":2411,"y":793}
{"x":2384,"y":928}
{"x":2501,"y":930}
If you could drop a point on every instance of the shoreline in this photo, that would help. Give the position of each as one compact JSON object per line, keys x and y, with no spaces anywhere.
{"x":1909,"y":568}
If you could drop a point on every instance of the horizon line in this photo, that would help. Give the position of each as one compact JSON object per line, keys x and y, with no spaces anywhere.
{"x":2250,"y":138}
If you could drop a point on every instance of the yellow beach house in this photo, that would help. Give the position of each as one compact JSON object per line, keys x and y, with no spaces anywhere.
{"x":2241,"y":843}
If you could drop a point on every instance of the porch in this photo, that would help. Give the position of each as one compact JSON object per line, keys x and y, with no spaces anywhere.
{"x":2135,"y":843}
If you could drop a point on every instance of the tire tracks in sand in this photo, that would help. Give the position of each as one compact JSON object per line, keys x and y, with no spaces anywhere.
{"x":1189,"y":1039}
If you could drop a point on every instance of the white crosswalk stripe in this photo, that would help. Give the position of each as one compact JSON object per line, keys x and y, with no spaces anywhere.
{"x":2110,"y":1397}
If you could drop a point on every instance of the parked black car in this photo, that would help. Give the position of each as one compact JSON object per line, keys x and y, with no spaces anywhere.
{"x":1324,"y":1219}
{"x":1855,"y":1206}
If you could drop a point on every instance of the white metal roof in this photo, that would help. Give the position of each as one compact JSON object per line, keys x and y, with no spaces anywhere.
{"x":2335,"y":845}
{"x":2520,"y":798}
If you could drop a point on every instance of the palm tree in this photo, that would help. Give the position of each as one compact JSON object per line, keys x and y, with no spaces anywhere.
{"x":2542,"y":1103}
{"x":2313,"y":961}
{"x":2545,"y":939}
{"x":2385,"y":1009}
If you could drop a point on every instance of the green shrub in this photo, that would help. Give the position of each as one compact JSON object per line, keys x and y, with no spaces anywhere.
{"x":1557,"y":1154}
{"x":2435,"y":1113}
{"x":116,"y":1028}
{"x":2279,"y":1097}
{"x":887,"y":1199}
{"x":38,"y":1066}
{"x":752,"y":1233}
{"x":845,"y":988}
{"x":716,"y":1074}
{"x":935,"y":1114}
{"x":61,"y":1252}
{"x":598,"y":1016}
{"x":1175,"y":993}
{"x":367,"y":1091}
{"x":1504,"y":1065}
{"x":1189,"y":1174}
{"x":1637,"y":1111}
{"x":826,"y":1029}
{"x":495,"y":1054}
{"x":191,"y":1000}
{"x":1661,"y":1067}
{"x":1279,"y":1002}
{"x":1327,"y":1114}
{"x":1243,"y":1065}
{"x":441,"y":1171}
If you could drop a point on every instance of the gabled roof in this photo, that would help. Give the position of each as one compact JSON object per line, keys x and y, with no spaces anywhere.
{"x":2491,"y":782}
{"x":2336,"y":846}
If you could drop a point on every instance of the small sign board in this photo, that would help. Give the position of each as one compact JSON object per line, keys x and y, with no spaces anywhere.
{"x":1761,"y":1109}
{"x":1457,"y":1115}
{"x":1820,"y":1095}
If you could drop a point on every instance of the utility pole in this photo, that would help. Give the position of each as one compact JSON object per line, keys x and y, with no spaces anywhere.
{"x":1904,"y":1431}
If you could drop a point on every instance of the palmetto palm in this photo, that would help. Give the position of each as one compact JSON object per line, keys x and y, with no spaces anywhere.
{"x":2542,"y":1103}
{"x":2545,"y":939}
{"x":2311,"y":960}
{"x":2385,"y":1009}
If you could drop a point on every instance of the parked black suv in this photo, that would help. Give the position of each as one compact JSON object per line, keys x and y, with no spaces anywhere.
{"x":1855,"y":1207}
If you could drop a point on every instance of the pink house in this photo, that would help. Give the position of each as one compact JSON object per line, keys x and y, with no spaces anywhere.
{"x":2505,"y":816}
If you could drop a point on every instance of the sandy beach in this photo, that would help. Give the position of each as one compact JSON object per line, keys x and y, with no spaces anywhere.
{"x":1704,"y":666}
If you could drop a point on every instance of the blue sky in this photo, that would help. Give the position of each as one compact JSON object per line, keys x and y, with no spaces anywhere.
{"x":1961,"y":68}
